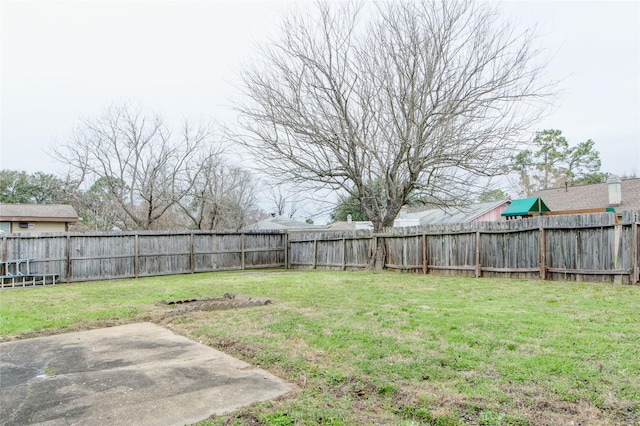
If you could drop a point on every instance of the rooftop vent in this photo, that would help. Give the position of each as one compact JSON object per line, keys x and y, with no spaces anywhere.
{"x":403,"y":212}
{"x":614,"y":188}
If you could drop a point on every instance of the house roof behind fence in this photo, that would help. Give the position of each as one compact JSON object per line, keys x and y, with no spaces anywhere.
{"x":594,"y":196}
{"x":38,"y":213}
{"x":455,"y":214}
{"x":283,"y":223}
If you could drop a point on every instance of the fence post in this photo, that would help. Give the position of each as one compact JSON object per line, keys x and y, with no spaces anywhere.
{"x":3,"y":258}
{"x":344,"y":253}
{"x":425,"y":265}
{"x":286,"y":250}
{"x":374,"y":247}
{"x":214,"y":248}
{"x":478,"y":267}
{"x":242,"y":250}
{"x":315,"y":253}
{"x":543,"y":253}
{"x":136,"y":256}
{"x":617,"y":232}
{"x":68,"y":258}
{"x":192,"y":261}
{"x":634,"y":252}
{"x":417,"y":258}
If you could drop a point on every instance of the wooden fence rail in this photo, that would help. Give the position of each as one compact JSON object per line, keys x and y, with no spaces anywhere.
{"x":594,"y":247}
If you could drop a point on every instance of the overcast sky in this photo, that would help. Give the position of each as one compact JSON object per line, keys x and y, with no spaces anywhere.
{"x":61,"y":60}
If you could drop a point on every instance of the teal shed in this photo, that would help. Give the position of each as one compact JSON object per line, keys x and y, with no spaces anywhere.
{"x":525,"y":207}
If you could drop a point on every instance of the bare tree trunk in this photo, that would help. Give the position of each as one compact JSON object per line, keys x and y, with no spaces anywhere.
{"x":379,"y":256}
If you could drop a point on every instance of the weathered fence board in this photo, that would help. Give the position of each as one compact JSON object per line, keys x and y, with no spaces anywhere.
{"x":330,"y":250}
{"x":92,"y":257}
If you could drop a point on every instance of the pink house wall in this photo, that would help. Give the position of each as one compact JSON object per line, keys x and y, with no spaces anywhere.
{"x":492,"y":215}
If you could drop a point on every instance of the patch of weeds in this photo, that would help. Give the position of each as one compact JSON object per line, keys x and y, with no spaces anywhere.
{"x":425,"y":416}
{"x":420,"y":414}
{"x":268,"y":358}
{"x":295,"y":365}
{"x":332,"y":378}
{"x":50,"y":372}
{"x":491,"y":418}
{"x":331,"y":421}
{"x":324,"y":411}
{"x":241,"y":418}
{"x":517,"y":421}
{"x":387,"y":390}
{"x":181,"y":317}
{"x":279,"y":418}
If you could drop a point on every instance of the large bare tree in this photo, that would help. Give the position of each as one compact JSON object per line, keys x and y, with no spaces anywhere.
{"x":422,"y":98}
{"x":142,"y":167}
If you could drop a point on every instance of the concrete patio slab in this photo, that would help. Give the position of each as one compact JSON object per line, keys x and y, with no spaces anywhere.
{"x":140,"y":374}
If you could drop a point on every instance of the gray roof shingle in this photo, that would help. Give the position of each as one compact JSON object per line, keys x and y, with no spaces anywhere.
{"x":38,"y":213}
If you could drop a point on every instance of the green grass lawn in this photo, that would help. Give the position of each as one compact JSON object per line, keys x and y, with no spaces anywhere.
{"x":388,"y":348}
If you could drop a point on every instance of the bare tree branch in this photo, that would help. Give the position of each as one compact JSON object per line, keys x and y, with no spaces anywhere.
{"x":220,"y":196}
{"x":142,"y":166}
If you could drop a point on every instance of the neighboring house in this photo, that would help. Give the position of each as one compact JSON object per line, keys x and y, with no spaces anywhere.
{"x":350,"y":225}
{"x":281,"y":223}
{"x":36,"y":218}
{"x":619,"y":194}
{"x":479,"y":212}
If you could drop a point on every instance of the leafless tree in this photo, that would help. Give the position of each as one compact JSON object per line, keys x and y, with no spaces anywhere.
{"x":421,"y":98}
{"x":142,"y":167}
{"x":222,"y":197}
{"x":285,"y":202}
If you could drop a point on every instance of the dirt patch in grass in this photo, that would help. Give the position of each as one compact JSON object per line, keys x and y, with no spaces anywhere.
{"x":227,"y":301}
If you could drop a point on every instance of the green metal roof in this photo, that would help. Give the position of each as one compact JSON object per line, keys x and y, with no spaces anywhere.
{"x":526,"y":206}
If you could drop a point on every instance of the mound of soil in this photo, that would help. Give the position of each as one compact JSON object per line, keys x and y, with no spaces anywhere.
{"x":227,"y":301}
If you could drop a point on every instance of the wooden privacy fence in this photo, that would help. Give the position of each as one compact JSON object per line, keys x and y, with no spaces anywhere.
{"x":590,"y":247}
{"x":100,"y":256}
